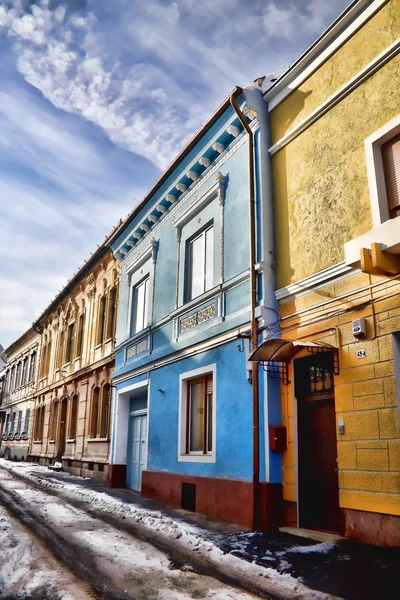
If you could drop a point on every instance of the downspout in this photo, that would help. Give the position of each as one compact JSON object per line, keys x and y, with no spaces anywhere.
{"x":253,"y":302}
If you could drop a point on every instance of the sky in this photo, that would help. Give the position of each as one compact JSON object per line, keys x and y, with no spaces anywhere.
{"x":96,"y":99}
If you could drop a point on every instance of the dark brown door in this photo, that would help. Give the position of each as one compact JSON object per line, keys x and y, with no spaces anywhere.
{"x":318,"y":477}
{"x":62,"y":429}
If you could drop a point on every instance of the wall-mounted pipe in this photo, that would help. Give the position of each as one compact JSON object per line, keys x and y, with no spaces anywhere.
{"x":253,"y":303}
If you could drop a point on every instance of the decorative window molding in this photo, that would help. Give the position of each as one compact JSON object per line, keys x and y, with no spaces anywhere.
{"x":184,"y":452}
{"x":376,"y":175}
{"x":201,"y":213}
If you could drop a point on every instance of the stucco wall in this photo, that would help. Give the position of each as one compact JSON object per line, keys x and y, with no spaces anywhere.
{"x":320,"y":178}
{"x":365,"y":45}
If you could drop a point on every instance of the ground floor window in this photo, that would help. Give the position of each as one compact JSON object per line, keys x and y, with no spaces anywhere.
{"x":197,"y":414}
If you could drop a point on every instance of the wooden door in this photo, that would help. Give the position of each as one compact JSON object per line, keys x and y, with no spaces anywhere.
{"x":136,"y":451}
{"x":318,"y":476}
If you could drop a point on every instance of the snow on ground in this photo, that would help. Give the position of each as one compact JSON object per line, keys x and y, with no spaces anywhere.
{"x":322,"y":548}
{"x":190,"y":536}
{"x":26,"y":566}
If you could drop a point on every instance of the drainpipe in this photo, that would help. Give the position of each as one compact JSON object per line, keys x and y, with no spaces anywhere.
{"x":253,"y":302}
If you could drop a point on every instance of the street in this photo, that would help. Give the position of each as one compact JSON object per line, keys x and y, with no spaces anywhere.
{"x":95,"y":559}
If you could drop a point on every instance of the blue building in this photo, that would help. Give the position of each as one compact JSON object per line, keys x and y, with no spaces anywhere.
{"x":197,"y":288}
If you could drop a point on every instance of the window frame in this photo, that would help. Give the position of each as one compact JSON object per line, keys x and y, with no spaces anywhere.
{"x":375,"y":169}
{"x":145,"y":281}
{"x":201,"y":234}
{"x":185,"y":379}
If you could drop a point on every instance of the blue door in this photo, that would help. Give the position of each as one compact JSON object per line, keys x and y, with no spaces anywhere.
{"x":137,"y":448}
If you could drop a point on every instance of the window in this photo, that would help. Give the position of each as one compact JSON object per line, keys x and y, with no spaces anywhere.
{"x":112,"y":308}
{"x":13,"y":418}
{"x":27,"y":421}
{"x":94,"y":423}
{"x":391,"y":166}
{"x":197,"y":415}
{"x":18,"y":375}
{"x":19,"y":422}
{"x":73,"y":422}
{"x":69,"y":354}
{"x":53,"y":420}
{"x":79,"y":346}
{"x":7,"y":423}
{"x":60,"y":354}
{"x":102,"y":320}
{"x":201,"y":259}
{"x":140,"y":305}
{"x":32,"y":367}
{"x":24,"y":373}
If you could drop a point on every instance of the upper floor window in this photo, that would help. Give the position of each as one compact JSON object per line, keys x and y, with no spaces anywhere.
{"x":140,"y":305}
{"x":69,"y":354}
{"x":18,"y":375}
{"x":81,"y":328}
{"x":391,"y":166}
{"x":201,"y":261}
{"x":112,"y":309}
{"x":102,"y":320}
{"x":24,"y":373}
{"x":32,"y":367}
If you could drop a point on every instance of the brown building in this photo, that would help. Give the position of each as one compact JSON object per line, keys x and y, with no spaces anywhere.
{"x":73,"y":398}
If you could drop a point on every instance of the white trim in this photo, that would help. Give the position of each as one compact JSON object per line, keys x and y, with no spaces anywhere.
{"x":335,"y":37}
{"x":198,"y":203}
{"x":378,"y":62}
{"x":376,"y":175}
{"x":134,"y":386}
{"x":183,"y":379}
{"x":294,"y":290}
{"x":387,"y":234}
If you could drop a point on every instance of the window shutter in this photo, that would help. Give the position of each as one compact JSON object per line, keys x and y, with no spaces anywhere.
{"x":209,"y":385}
{"x":391,"y":163}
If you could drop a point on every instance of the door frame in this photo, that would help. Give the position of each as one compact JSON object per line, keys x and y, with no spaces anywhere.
{"x":296,"y":407}
{"x":143,"y":412}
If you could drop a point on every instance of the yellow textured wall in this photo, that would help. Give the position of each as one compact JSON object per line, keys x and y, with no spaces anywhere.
{"x":365,"y":45}
{"x":365,"y":392}
{"x":320,"y":179}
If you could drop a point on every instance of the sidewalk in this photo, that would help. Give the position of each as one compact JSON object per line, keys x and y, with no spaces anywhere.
{"x":347,"y":570}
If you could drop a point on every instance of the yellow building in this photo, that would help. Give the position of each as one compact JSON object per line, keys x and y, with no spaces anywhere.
{"x":73,"y":395}
{"x":336,"y":167}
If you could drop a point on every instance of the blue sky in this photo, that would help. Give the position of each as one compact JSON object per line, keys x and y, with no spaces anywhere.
{"x":96,"y":98}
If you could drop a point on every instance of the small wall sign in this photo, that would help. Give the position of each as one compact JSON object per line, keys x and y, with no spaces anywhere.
{"x":361,"y":353}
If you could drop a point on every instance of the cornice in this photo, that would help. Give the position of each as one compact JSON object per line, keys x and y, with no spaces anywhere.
{"x":306,"y":285}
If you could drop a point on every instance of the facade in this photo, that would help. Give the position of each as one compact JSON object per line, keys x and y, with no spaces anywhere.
{"x":197,"y":282}
{"x":73,"y":396}
{"x":17,"y":395}
{"x":336,"y":166}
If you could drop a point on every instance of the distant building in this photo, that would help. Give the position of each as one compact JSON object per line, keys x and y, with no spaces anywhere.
{"x":17,"y":395}
{"x":73,"y":394}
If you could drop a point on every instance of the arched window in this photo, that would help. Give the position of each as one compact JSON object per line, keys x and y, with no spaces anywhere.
{"x":53,"y":420}
{"x":32,"y":367}
{"x":105,"y":410}
{"x":73,"y":420}
{"x":95,"y":413}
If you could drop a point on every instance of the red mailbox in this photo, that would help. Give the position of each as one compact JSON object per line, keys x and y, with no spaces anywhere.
{"x":277,"y":438}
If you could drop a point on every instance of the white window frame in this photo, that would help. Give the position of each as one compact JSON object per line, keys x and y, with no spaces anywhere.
{"x":376,"y":175}
{"x":203,"y":235}
{"x":135,"y":288}
{"x":182,"y":416}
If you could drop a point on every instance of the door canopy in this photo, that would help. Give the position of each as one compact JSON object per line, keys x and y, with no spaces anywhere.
{"x":280,"y":350}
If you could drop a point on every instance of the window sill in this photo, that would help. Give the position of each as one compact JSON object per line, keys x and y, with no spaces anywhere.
{"x":37,"y":442}
{"x":197,"y":458}
{"x":387,"y":234}
{"x":71,"y":441}
{"x":52,"y":441}
{"x":99,"y":439}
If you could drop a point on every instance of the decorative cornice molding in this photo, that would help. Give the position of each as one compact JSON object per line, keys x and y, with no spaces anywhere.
{"x":319,"y":279}
{"x":339,"y":95}
{"x":217,"y":189}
